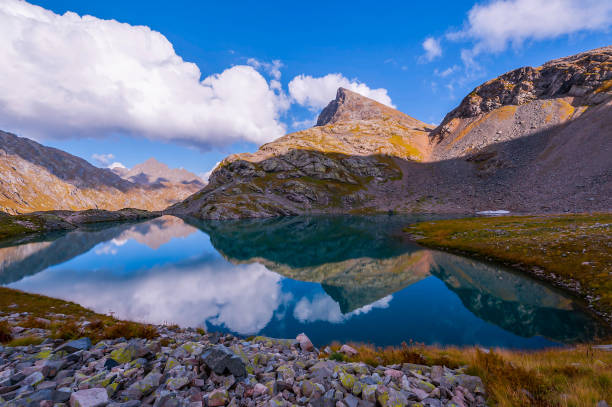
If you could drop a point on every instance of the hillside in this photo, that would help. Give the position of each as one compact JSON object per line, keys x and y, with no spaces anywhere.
{"x":40,"y":178}
{"x":532,"y":140}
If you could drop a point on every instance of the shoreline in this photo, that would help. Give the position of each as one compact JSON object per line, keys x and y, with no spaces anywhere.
{"x":468,"y":237}
{"x":474,"y":376}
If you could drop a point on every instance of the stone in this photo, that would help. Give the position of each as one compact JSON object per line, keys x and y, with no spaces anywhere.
{"x":177,"y":383}
{"x":110,"y":363}
{"x":51,"y":395}
{"x":351,"y":401}
{"x":51,"y":367}
{"x":389,"y":397}
{"x":218,"y":397}
{"x":472,"y":383}
{"x":75,"y":346}
{"x":89,"y":398}
{"x":145,"y":386}
{"x":396,"y":374}
{"x":348,"y":350}
{"x":259,"y":389}
{"x":221,"y":360}
{"x":369,"y":393}
{"x":305,"y":343}
{"x":33,"y":379}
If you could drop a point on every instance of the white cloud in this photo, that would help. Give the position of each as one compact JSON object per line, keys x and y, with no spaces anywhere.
{"x":102,"y":159}
{"x":206,"y":175}
{"x":69,"y":76}
{"x":497,"y":24}
{"x":316,"y":93}
{"x":432,"y":48}
{"x":273,"y":68}
{"x":448,"y":71}
{"x":323,"y":308}
{"x":116,"y":164}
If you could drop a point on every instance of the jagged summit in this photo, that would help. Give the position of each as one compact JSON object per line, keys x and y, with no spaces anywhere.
{"x":351,"y":106}
{"x":586,"y":77}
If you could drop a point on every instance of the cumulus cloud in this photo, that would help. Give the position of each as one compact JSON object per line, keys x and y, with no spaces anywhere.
{"x":69,"y":75}
{"x":496,"y":25}
{"x":316,"y":93}
{"x":103,"y":159}
{"x":116,"y":164}
{"x":432,"y":49}
{"x":323,"y":308}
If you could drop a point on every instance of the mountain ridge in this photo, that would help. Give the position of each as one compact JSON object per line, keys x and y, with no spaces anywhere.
{"x":531,"y":140}
{"x":40,"y":178}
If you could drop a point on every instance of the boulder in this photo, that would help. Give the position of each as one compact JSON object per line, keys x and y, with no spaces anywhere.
{"x":348,"y":350}
{"x":305,"y":343}
{"x":221,"y":360}
{"x":89,"y":398}
{"x":75,"y":346}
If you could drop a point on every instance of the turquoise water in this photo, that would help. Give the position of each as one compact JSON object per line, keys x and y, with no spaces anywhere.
{"x":341,"y":278}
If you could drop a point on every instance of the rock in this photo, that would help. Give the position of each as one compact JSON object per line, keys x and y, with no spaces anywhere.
{"x":133,"y":350}
{"x":177,"y":383}
{"x":110,"y":363}
{"x":33,"y":379}
{"x":305,"y":343}
{"x":220,"y":360}
{"x":218,"y":397}
{"x":89,"y":398}
{"x":51,"y":395}
{"x":145,"y":386}
{"x":259,"y":389}
{"x":75,"y":346}
{"x":348,"y":350}
{"x":51,"y":367}
{"x":396,"y":374}
{"x":369,"y":393}
{"x":389,"y":397}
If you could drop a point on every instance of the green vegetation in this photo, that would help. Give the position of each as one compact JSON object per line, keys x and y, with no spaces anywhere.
{"x":573,"y":251}
{"x":43,"y":313}
{"x":579,"y":376}
{"x":12,"y":226}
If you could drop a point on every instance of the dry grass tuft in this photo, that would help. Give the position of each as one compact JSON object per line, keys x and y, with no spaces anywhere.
{"x":580,"y":376}
{"x":6,"y":333}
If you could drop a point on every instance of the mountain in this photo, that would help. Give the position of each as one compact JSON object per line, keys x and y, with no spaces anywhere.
{"x":343,"y":163}
{"x":39,"y":178}
{"x":532,"y":140}
{"x":153,"y":172}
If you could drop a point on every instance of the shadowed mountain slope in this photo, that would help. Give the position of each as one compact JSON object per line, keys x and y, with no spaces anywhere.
{"x":532,"y":140}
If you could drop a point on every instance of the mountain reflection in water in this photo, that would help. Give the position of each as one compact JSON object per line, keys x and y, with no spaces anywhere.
{"x":341,"y":278}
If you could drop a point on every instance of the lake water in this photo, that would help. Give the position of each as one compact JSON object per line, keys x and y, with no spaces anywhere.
{"x":343,"y":278}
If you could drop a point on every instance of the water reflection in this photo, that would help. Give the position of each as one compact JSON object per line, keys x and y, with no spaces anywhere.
{"x":337,"y":278}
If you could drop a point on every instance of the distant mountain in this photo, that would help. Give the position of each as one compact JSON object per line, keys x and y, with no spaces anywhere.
{"x":153,"y":172}
{"x":532,"y":140}
{"x":37,"y":178}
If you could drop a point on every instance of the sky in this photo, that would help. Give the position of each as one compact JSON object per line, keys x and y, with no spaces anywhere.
{"x":189,"y":82}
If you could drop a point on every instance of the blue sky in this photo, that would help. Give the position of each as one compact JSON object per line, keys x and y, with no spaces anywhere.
{"x":380,"y":46}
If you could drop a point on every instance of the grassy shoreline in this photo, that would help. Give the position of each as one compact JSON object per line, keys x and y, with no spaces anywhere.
{"x":572,"y":252}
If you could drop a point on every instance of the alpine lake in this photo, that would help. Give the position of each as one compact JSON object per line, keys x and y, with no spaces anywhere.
{"x":336,"y":278}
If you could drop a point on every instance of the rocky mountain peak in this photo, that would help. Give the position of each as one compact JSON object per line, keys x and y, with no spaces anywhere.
{"x":351,"y":106}
{"x":586,"y":77}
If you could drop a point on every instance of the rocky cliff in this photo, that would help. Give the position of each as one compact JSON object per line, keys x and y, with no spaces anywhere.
{"x":532,"y":140}
{"x":38,"y":178}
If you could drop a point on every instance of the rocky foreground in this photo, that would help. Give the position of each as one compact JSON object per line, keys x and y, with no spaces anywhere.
{"x":195,"y":369}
